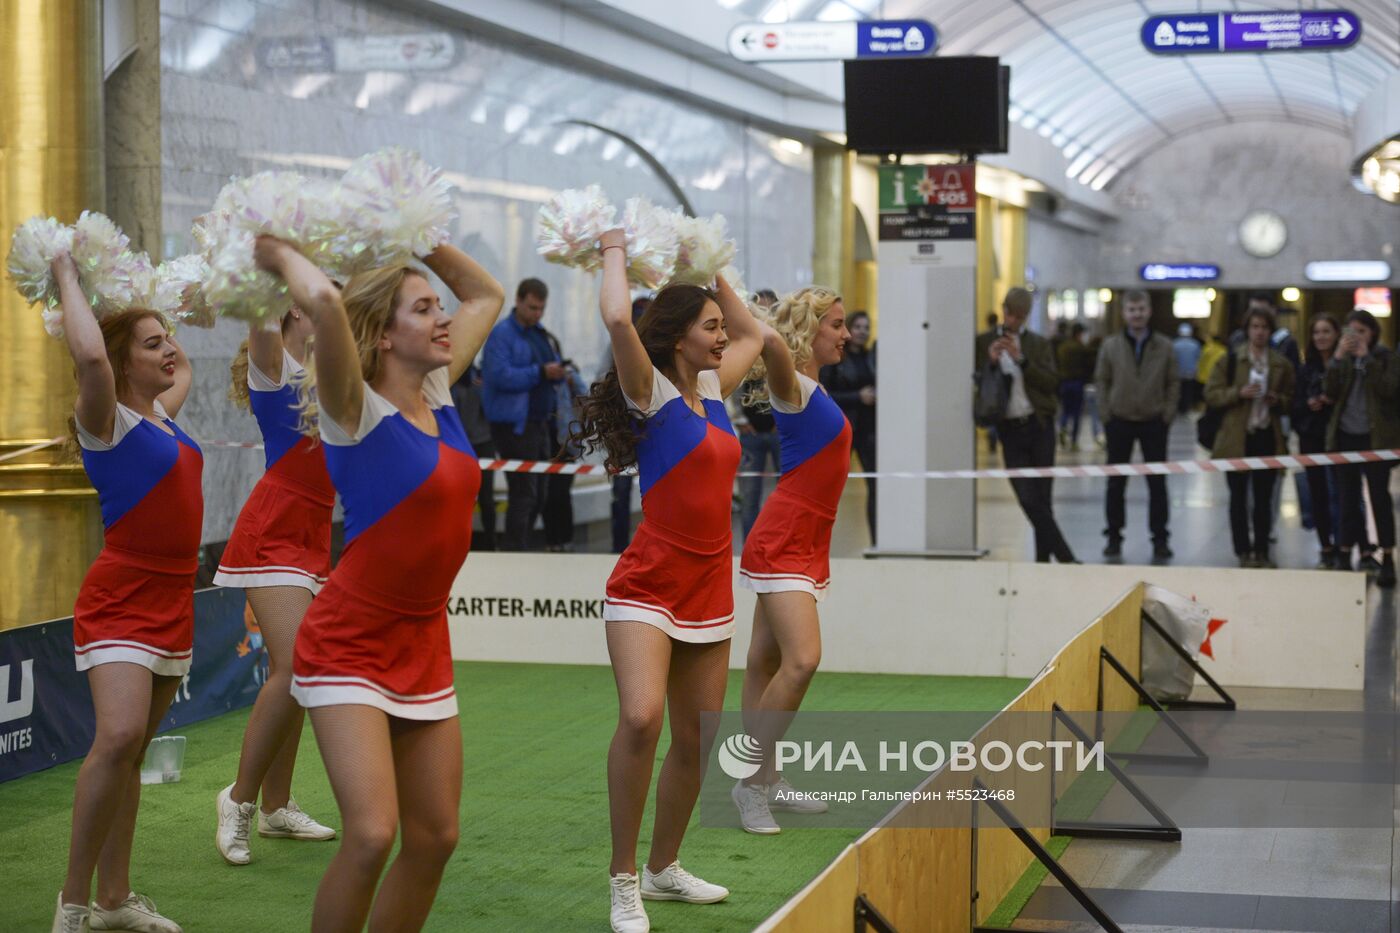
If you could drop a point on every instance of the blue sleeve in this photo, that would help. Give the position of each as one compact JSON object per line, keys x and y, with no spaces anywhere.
{"x":498,"y":371}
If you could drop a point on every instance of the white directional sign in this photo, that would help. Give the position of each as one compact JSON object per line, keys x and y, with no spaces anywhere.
{"x":818,"y":41}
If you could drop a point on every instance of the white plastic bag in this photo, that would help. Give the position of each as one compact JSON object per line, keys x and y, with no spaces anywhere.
{"x":1165,"y":675}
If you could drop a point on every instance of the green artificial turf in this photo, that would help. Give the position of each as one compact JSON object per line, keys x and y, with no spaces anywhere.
{"x":534,"y":844}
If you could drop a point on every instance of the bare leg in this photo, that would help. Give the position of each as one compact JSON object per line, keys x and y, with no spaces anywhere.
{"x":269,"y":752}
{"x":764,"y":658}
{"x":428,"y":768}
{"x":121,"y":700}
{"x":356,"y":747}
{"x":699,"y":674}
{"x":114,"y":861}
{"x":792,"y":624}
{"x":641,"y":656}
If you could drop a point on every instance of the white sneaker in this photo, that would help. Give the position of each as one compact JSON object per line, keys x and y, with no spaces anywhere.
{"x":628,"y":915}
{"x":235,"y":819}
{"x":782,"y":796}
{"x":135,"y":915}
{"x":70,"y":918}
{"x":674,"y":883}
{"x":291,"y":822}
{"x":754,"y":816}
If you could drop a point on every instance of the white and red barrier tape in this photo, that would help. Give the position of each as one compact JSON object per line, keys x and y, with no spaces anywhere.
{"x":1164,"y":468}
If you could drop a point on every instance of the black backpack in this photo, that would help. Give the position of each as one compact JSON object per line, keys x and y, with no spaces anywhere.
{"x":1208,"y":425}
{"x":992,"y":393}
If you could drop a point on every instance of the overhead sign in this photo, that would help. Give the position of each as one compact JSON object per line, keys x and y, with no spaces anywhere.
{"x":1348,"y":270}
{"x":1179,"y":272}
{"x":1257,"y":31}
{"x":928,"y":202}
{"x":819,"y":41}
{"x":411,"y":52}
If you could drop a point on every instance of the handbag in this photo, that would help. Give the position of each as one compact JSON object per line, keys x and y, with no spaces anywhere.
{"x":993,"y":392}
{"x":1208,"y":425}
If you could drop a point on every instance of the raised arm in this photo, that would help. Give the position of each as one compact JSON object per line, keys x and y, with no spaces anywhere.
{"x":634,"y":369}
{"x":96,"y":408}
{"x":173,"y":398}
{"x":481,"y":298}
{"x":782,"y":373}
{"x":265,"y":349}
{"x":340,"y":384}
{"x":745,"y":338}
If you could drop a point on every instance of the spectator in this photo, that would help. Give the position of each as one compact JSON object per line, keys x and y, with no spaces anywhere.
{"x":558,"y":508}
{"x":1188,"y":359}
{"x":1255,"y":392}
{"x":1281,"y":339}
{"x":1137,"y":389}
{"x":1027,"y":428}
{"x":1312,"y":411}
{"x":466,"y":398}
{"x":622,"y":483}
{"x":851,"y":383}
{"x":1076,"y":365}
{"x":519,"y":370}
{"x":1210,"y":355}
{"x":1362,"y":380}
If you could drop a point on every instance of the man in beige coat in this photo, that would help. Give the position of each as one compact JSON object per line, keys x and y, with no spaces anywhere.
{"x":1138,"y":389}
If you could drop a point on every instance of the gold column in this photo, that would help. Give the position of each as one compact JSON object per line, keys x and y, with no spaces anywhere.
{"x":50,"y":163}
{"x":831,"y":215}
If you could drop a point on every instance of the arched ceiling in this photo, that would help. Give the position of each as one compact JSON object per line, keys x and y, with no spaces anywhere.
{"x":1081,"y":77}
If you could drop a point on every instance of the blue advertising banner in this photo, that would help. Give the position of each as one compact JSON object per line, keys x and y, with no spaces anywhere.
{"x":1255,"y":31}
{"x":46,"y":709}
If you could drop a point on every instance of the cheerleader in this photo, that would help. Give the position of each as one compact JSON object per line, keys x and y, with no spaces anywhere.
{"x":786,"y":554}
{"x":669,"y":612}
{"x":133,"y":624}
{"x":372,"y":660}
{"x":280,"y":552}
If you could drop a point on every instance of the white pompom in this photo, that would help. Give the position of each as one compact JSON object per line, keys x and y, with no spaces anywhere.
{"x":110,"y":274}
{"x":651,"y":242}
{"x":179,"y":290}
{"x":569,"y":224}
{"x":237,"y":288}
{"x":32,"y":249}
{"x":704,"y":248}
{"x":393,"y":207}
{"x":735,"y":279}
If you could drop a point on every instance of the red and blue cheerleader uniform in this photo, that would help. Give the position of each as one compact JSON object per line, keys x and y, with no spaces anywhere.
{"x":136,"y":603}
{"x":677,"y":574}
{"x":789,"y":547}
{"x":376,"y":635}
{"x":283,"y":533}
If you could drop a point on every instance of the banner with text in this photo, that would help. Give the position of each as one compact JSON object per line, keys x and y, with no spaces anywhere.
{"x":46,"y":715}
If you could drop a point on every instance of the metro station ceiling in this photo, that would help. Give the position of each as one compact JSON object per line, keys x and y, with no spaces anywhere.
{"x":1081,"y":77}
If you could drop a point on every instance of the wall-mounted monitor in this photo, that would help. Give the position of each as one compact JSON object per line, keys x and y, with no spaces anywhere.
{"x":927,"y":105}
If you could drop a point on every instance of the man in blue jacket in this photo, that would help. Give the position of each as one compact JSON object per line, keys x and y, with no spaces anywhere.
{"x":519,"y":368}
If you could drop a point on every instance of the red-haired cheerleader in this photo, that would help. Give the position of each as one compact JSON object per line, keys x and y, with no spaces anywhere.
{"x":133,"y":624}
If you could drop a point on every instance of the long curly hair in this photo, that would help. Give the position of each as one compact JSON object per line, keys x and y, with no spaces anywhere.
{"x":605,"y":421}
{"x":370,"y":299}
{"x":797,"y":318}
{"x":117,"y":333}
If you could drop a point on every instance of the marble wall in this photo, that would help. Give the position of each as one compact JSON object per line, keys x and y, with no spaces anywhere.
{"x":251,"y":85}
{"x":1185,"y":200}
